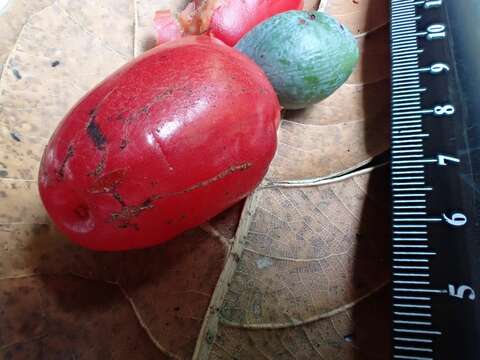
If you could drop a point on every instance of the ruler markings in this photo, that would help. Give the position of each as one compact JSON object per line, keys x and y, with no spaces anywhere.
{"x":409,"y":260}
{"x":412,"y":339}
{"x":411,"y":233}
{"x":402,"y":313}
{"x":409,"y":239}
{"x":396,"y":178}
{"x":411,"y":348}
{"x":410,"y":246}
{"x":414,"y":331}
{"x":408,"y":172}
{"x":408,"y":77}
{"x":414,"y":253}
{"x":410,"y":218}
{"x":407,"y":357}
{"x":435,"y":291}
{"x":412,"y":322}
{"x":407,"y":156}
{"x":411,"y":274}
{"x":400,"y":92}
{"x":411,"y":100}
{"x":407,"y":54}
{"x":409,"y":195}
{"x":408,"y":151}
{"x":396,"y":123}
{"x":416,"y":298}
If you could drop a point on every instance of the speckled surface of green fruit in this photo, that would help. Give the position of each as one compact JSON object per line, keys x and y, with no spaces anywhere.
{"x":306,"y":55}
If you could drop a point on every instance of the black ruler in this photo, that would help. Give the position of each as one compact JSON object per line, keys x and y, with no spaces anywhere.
{"x":435,"y":168}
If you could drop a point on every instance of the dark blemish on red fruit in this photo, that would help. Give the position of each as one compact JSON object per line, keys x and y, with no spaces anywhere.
{"x":177,"y":308}
{"x":123,"y":144}
{"x":126,"y":225}
{"x":100,"y":168}
{"x":223,"y":174}
{"x":144,"y":111}
{"x":119,"y":198}
{"x":302,"y":21}
{"x":82,"y":212}
{"x":55,"y":63}
{"x":108,"y":182}
{"x":15,"y":136}
{"x":127,"y":212}
{"x":17,"y":74}
{"x":68,"y":156}
{"x":95,"y":133}
{"x":147,"y":203}
{"x":312,"y":16}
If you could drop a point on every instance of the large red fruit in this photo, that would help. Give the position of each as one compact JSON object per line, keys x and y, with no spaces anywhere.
{"x":162,"y":145}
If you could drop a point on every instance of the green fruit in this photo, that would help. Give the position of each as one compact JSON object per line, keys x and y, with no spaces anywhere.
{"x":306,"y":55}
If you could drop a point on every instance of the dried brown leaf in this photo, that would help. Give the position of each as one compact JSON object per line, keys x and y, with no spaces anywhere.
{"x":66,"y":317}
{"x":357,"y":15}
{"x":169,"y":287}
{"x":311,"y":4}
{"x":305,"y":256}
{"x":12,"y":21}
{"x":350,"y":334}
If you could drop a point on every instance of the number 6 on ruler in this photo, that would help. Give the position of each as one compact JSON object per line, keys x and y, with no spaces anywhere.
{"x":460,"y":291}
{"x":457,"y":219}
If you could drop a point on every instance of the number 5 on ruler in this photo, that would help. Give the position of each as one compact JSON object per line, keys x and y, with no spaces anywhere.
{"x":460,"y":291}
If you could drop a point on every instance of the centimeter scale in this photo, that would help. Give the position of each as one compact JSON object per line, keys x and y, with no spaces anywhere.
{"x":435,"y":172}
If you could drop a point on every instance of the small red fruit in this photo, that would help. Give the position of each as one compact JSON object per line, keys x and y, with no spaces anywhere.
{"x":227,"y":20}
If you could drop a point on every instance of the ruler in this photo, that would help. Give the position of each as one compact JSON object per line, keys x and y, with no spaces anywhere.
{"x":435,"y":179}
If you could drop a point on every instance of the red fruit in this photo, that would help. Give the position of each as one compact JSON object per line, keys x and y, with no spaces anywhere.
{"x":162,"y":145}
{"x":166,"y":27}
{"x":234,"y":19}
{"x":227,"y":20}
